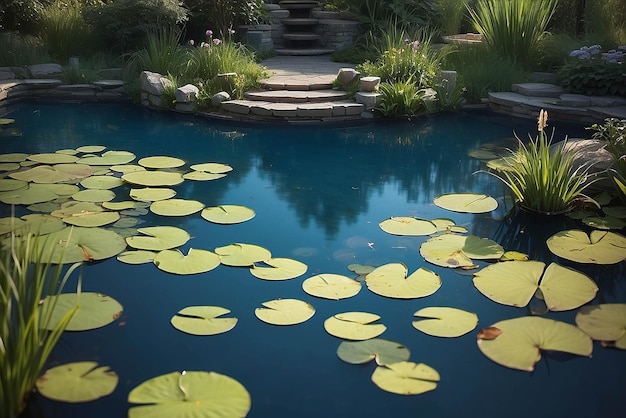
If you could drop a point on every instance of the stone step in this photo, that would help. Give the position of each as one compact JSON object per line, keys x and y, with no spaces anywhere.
{"x":538,"y":89}
{"x":296,"y":96}
{"x":299,"y":21}
{"x":336,"y":109}
{"x":303,"y":51}
{"x":302,"y":36}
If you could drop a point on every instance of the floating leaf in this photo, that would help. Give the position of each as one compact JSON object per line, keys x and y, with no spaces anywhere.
{"x":161,"y":162}
{"x":607,"y":222}
{"x":228,"y":214}
{"x":9,"y":166}
{"x":95,"y":310}
{"x":158,"y":238}
{"x":176,"y":207}
{"x":77,"y":382}
{"x":403,"y":225}
{"x":16,"y":157}
{"x":354,"y":326}
{"x":153,"y":178}
{"x":451,"y":250}
{"x":152,"y":194}
{"x":215,"y":168}
{"x":73,"y":207}
{"x":600,"y":247}
{"x":605,"y":323}
{"x":406,"y":378}
{"x":34,"y":193}
{"x":7,"y":185}
{"x":94,"y":195}
{"x":6,"y":121}
{"x":91,"y":149}
{"x":615,"y":211}
{"x":280,"y":269}
{"x":203,"y":320}
{"x":109,"y":158}
{"x":45,"y":174}
{"x":514,"y":256}
{"x":361,"y":270}
{"x":74,"y":244}
{"x":53,"y":158}
{"x":383,"y":351}
{"x":102,"y":182}
{"x":127,"y":168}
{"x":466,"y":202}
{"x":520,"y":341}
{"x":285,"y":312}
{"x":136,"y":257}
{"x":196,"y":261}
{"x":242,"y":255}
{"x":202,"y":176}
{"x":445,"y":322}
{"x":190,"y":395}
{"x":448,"y":225}
{"x":127,"y":204}
{"x":37,"y":224}
{"x":515,"y":282}
{"x":91,"y":220}
{"x":331,"y":286}
{"x":391,"y":280}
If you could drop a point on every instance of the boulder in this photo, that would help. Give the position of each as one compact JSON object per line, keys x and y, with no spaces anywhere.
{"x":370,"y":84}
{"x":153,"y":83}
{"x":347,"y":76}
{"x":186,"y":93}
{"x":218,"y":98}
{"x":44,"y":70}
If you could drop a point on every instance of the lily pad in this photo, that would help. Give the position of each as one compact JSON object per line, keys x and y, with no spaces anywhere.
{"x":215,"y":168}
{"x":445,"y":321}
{"x":15,"y":157}
{"x":6,"y":121}
{"x":77,"y":382}
{"x":158,"y":238}
{"x":403,"y":225}
{"x":391,"y":280}
{"x":109,"y":158}
{"x":518,"y":342}
{"x":126,"y":204}
{"x":514,"y":256}
{"x":7,"y":185}
{"x":228,"y":214}
{"x":605,"y":323}
{"x":466,"y":202}
{"x":615,"y":211}
{"x":95,"y":310}
{"x":137,"y":257}
{"x":74,"y":208}
{"x":195,"y":262}
{"x":94,"y":195}
{"x":91,"y":149}
{"x":242,"y":255}
{"x":53,"y":158}
{"x":161,"y":162}
{"x":28,"y":195}
{"x":190,"y":394}
{"x":285,"y":312}
{"x":357,"y":326}
{"x":37,"y":224}
{"x":606,"y":222}
{"x":600,"y":247}
{"x":331,"y":286}
{"x":9,"y":166}
{"x":202,"y":176}
{"x":448,"y":225}
{"x":203,"y":320}
{"x":378,"y":349}
{"x":102,"y":182}
{"x":453,"y":251}
{"x":406,"y":378}
{"x":280,"y":269}
{"x":153,"y":178}
{"x":92,"y":219}
{"x":152,"y":194}
{"x":45,"y":174}
{"x":176,"y":207}
{"x":127,"y":168}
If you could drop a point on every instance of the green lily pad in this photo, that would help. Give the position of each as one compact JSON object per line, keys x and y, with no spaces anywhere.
{"x":28,"y":195}
{"x":190,"y":394}
{"x":68,"y":151}
{"x":109,"y":158}
{"x":53,"y":158}
{"x":202,"y":176}
{"x":59,"y":189}
{"x":77,"y":382}
{"x":242,"y":255}
{"x":91,"y":149}
{"x":517,"y":343}
{"x":285,"y":312}
{"x":615,"y":211}
{"x":102,"y":182}
{"x":45,"y":174}
{"x":94,"y":195}
{"x":228,"y":214}
{"x":448,"y":226}
{"x":95,"y":310}
{"x":331,"y":286}
{"x":606,"y":222}
{"x":127,"y":168}
{"x":514,"y":256}
{"x":93,"y":219}
{"x":390,"y":280}
{"x":74,"y":208}
{"x":378,"y":349}
{"x":355,"y":326}
{"x":6,"y":121}
{"x":466,"y":202}
{"x":406,"y":378}
{"x":280,"y":269}
{"x":137,"y":257}
{"x":9,"y":166}
{"x":152,"y":194}
{"x":15,"y":157}
{"x":126,"y":204}
{"x":203,"y":320}
{"x":195,"y":262}
{"x":215,"y":168}
{"x":445,"y":322}
{"x":158,"y":238}
{"x":605,"y":323}
{"x":7,"y":185}
{"x":11,"y":224}
{"x":515,"y":282}
{"x":160,"y":162}
{"x":36,"y":224}
{"x":600,"y":247}
{"x":176,"y":207}
{"x":581,"y":214}
{"x":403,"y":225}
{"x":153,"y":178}
{"x":360,"y":269}
{"x":452,"y":250}
{"x":482,"y":154}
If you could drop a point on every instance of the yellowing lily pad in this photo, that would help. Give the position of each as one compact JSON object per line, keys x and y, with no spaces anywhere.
{"x":15,"y":157}
{"x":77,"y":382}
{"x":45,"y":174}
{"x":109,"y":158}
{"x":514,"y":256}
{"x":378,"y":349}
{"x":202,"y":176}
{"x":53,"y":158}
{"x":285,"y":312}
{"x":176,"y":207}
{"x":127,"y":168}
{"x":152,"y":194}
{"x":95,"y":310}
{"x":91,"y":149}
{"x":74,"y":208}
{"x":466,"y":202}
{"x":406,"y":378}
{"x":9,"y":166}
{"x":331,"y":286}
{"x":242,"y":255}
{"x":190,"y":394}
{"x":91,"y":220}
{"x":161,"y":162}
{"x":448,"y":226}
{"x":102,"y":182}
{"x":153,"y":178}
{"x":137,"y":257}
{"x":126,"y":204}
{"x":445,"y":322}
{"x":158,"y":238}
{"x":228,"y":214}
{"x":451,"y":250}
{"x":28,"y":195}
{"x":355,"y":326}
{"x":518,"y":342}
{"x":215,"y":168}
{"x":600,"y":247}
{"x":203,"y":320}
{"x":94,"y":195}
{"x":391,"y":280}
{"x":605,"y":323}
{"x":280,"y":269}
{"x":7,"y":185}
{"x":195,"y":262}
{"x":403,"y":225}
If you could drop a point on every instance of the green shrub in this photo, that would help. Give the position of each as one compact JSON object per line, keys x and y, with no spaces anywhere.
{"x":64,"y":31}
{"x":613,"y":131}
{"x":553,"y":50}
{"x":450,"y":14}
{"x":16,"y":50}
{"x":400,"y":99}
{"x":375,"y":14}
{"x":595,"y":73}
{"x":20,"y":15}
{"x":223,"y":15}
{"x":357,"y":54}
{"x":605,"y":21}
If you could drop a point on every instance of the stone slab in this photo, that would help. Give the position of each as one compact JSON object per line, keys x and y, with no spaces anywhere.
{"x":538,"y":89}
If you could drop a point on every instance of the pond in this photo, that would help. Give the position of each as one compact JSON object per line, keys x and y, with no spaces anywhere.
{"x":319,"y":193}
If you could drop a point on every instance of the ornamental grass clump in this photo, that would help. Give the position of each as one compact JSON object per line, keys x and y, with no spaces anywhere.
{"x":25,"y":342}
{"x":542,"y":177}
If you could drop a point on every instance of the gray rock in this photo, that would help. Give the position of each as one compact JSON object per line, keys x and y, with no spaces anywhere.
{"x":185,"y":107}
{"x":220,"y":97}
{"x":367,"y":99}
{"x":45,"y":70}
{"x":186,"y":93}
{"x":153,"y":83}
{"x":369,"y":84}
{"x":6,"y":74}
{"x":346,"y":76}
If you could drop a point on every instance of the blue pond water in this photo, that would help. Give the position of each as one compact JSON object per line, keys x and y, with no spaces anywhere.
{"x":319,"y":193}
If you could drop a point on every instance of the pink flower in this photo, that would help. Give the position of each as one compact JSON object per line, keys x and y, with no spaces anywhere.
{"x":415,"y":45}
{"x":205,"y":45}
{"x":209,"y":33}
{"x":217,"y":41}
{"x":191,"y":42}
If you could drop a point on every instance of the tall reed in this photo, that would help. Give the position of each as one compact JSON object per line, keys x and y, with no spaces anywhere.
{"x":64,"y":31}
{"x":162,"y":54}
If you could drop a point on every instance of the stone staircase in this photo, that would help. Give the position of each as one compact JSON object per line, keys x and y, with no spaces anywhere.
{"x":301,"y":36}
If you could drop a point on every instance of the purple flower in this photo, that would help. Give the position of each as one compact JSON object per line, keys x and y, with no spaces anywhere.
{"x":415,"y":45}
{"x":209,"y":33}
{"x":205,"y":45}
{"x":217,"y":41}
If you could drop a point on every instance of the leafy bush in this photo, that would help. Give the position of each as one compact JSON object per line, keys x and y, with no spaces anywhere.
{"x":400,"y":98}
{"x":613,"y":131}
{"x":375,"y":14}
{"x":63,"y":29}
{"x":592,"y":72}
{"x":16,"y":50}
{"x":123,"y":24}
{"x":223,"y":15}
{"x":20,"y":15}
